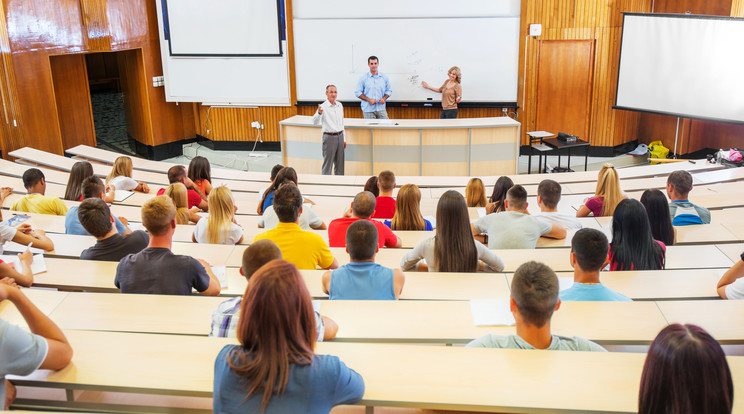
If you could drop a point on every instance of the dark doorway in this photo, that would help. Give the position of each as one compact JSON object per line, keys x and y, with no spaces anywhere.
{"x":107,"y":102}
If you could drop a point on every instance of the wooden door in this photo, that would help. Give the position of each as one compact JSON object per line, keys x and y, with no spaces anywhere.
{"x":564,"y":86}
{"x":72,"y":97}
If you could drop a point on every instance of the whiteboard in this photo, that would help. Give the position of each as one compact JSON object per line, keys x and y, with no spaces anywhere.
{"x":224,"y":27}
{"x":224,"y":80}
{"x":682,"y":65}
{"x":415,"y":46}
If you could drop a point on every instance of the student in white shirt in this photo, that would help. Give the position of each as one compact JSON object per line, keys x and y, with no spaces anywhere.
{"x":330,"y":115}
{"x":548,"y":196}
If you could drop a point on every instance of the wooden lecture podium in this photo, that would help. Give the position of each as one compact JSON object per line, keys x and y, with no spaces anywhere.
{"x":409,"y":147}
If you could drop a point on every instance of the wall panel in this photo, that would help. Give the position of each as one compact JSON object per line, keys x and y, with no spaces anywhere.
{"x":72,"y":96}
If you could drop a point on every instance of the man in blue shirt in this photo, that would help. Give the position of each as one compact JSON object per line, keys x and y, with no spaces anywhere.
{"x":588,"y":256}
{"x":374,"y":90}
{"x":683,"y":212}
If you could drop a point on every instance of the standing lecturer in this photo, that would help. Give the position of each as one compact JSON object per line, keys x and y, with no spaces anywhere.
{"x":373,"y":89}
{"x":330,"y":115}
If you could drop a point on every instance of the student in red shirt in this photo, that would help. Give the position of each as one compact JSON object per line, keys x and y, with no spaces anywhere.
{"x":361,"y":209}
{"x":385,"y":202}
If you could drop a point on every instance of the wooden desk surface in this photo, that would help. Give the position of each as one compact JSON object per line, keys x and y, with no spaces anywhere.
{"x":452,"y":378}
{"x":45,"y":300}
{"x":721,"y":318}
{"x":732,"y":251}
{"x":359,"y":321}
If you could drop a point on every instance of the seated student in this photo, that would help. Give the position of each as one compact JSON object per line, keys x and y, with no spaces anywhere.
{"x":362,"y":278}
{"x":589,"y":256}
{"x":96,"y":218}
{"x":272,"y":177}
{"x":219,"y":227}
{"x":23,"y":276}
{"x":372,"y":185}
{"x":515,"y":228}
{"x":534,"y":298}
{"x":304,"y":249}
{"x":23,"y":352}
{"x":453,"y":229}
{"x":657,"y":209}
{"x":408,"y":211}
{"x":200,"y":172}
{"x":731,"y":285}
{"x":274,"y":368}
{"x":308,"y":219}
{"x":120,"y":177}
{"x":177,"y":174}
{"x":92,"y":188}
{"x":361,"y":209}
{"x":606,"y":196}
{"x":36,"y":201}
{"x":225,"y":318}
{"x":22,"y":233}
{"x":475,"y":193}
{"x":683,"y":212}
{"x":156,"y":269}
{"x":78,"y":173}
{"x":633,"y":246}
{"x":385,"y":202}
{"x":286,"y":174}
{"x":548,"y":196}
{"x":498,"y":196}
{"x":685,"y":372}
{"x":179,"y":196}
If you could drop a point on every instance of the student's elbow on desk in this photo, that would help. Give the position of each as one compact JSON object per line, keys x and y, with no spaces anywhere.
{"x":331,"y":328}
{"x":326,"y":282}
{"x":58,"y":356}
{"x":557,"y":232}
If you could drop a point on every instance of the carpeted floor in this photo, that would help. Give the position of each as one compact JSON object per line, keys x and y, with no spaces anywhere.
{"x":110,"y":123}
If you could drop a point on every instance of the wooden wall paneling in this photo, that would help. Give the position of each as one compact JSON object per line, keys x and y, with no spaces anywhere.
{"x":564,"y":86}
{"x":737,"y":8}
{"x":710,"y":7}
{"x":136,"y":102}
{"x":96,"y":25}
{"x":132,"y":23}
{"x":11,"y":137}
{"x":72,"y":97}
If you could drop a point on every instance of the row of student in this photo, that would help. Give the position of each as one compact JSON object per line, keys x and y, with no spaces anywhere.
{"x":275,"y":369}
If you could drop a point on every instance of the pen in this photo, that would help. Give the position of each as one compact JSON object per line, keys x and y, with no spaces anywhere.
{"x":28,"y":247}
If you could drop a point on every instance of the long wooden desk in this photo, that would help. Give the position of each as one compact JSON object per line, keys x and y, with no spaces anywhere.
{"x":395,"y":375}
{"x":619,"y":323}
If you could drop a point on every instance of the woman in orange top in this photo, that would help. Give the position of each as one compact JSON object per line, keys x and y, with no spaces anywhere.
{"x":451,"y":92}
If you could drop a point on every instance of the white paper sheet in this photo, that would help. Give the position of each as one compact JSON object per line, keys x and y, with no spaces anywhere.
{"x":491,"y":312}
{"x":38,"y":265}
{"x":134,"y":226}
{"x":121,"y":195}
{"x":221,"y":273}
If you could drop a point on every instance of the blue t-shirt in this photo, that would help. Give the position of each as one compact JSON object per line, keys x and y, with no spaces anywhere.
{"x":592,"y":292}
{"x":314,"y":388}
{"x":73,"y":226}
{"x":427,"y":223}
{"x":269,"y":201}
{"x":362,"y":281}
{"x":21,"y":353}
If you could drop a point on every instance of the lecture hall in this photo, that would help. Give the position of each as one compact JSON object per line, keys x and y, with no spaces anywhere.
{"x":404,"y":207}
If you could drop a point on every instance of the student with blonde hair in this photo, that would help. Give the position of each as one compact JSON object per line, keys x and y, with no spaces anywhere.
{"x":606,"y":197}
{"x":475,"y":193}
{"x":178,"y":193}
{"x":120,"y":177}
{"x":408,"y":212}
{"x":220,"y":226}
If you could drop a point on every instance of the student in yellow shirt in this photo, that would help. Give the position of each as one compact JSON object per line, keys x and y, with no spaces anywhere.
{"x":36,"y":201}
{"x":304,"y":249}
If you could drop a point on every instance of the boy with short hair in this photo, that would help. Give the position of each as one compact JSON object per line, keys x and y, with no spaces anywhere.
{"x":92,"y":187}
{"x":515,"y":228}
{"x":548,"y":196}
{"x":35,"y":201}
{"x":589,"y":256}
{"x":385,"y":206}
{"x":225,"y":318}
{"x":534,"y":298}
{"x":195,"y":196}
{"x":156,"y":270}
{"x":362,"y":278}
{"x":683,"y":212}
{"x":97,"y":220}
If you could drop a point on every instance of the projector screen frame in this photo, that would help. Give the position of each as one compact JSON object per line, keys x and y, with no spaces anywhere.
{"x":280,"y":52}
{"x":673,"y":114}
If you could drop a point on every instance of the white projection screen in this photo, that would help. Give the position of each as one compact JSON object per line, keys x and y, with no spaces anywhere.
{"x":682,"y":65}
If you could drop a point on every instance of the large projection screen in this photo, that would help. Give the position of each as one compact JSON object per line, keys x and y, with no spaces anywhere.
{"x":682,"y":65}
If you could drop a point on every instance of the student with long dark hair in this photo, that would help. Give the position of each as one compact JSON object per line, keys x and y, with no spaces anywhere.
{"x":452,"y":249}
{"x":274,"y":369}
{"x":657,"y":209}
{"x":633,"y":246}
{"x":496,"y":202}
{"x":78,"y":173}
{"x":285,"y":174}
{"x":372,"y":185}
{"x":200,"y":172}
{"x":685,"y":373}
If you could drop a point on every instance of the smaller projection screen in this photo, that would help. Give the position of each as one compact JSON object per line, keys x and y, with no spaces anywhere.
{"x":682,"y":65}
